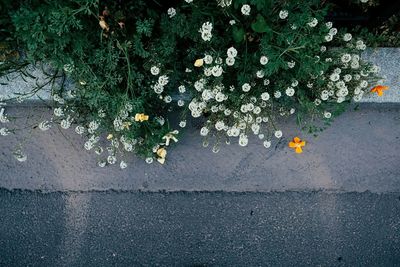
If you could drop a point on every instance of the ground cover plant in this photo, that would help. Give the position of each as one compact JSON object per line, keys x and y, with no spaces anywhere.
{"x":239,"y":67}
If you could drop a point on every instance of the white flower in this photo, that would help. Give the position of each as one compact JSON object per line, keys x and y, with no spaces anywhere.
{"x":267,"y":144}
{"x":360,"y":45}
{"x":65,"y":124}
{"x":181,"y":103}
{"x":68,"y":68}
{"x":333,"y":31}
{"x":205,"y":31}
{"x":111,"y":159}
{"x":291,"y":64}
{"x":246,"y":87}
{"x":224,"y":3}
{"x":277,"y":94}
{"x":346,"y":58}
{"x":278,"y":134}
{"x":347,"y":37}
{"x":58,"y":112}
{"x":58,"y":99}
{"x":204,"y":131}
{"x":93,"y":125}
{"x":245,"y":10}
{"x":364,"y":84}
{"x":155,"y":70}
{"x":101,"y":113}
{"x":265,"y":96}
{"x":329,"y":24}
{"x":88,"y":145}
{"x":263,"y":60}
{"x":182,"y":89}
{"x":334,"y":77}
{"x":243,"y":140}
{"x":167,"y":99}
{"x":232,"y":22}
{"x":266,"y":82}
{"x":4,"y":131}
{"x":79,"y":129}
{"x":123,"y":164}
{"x":289,"y":91}
{"x":283,"y":14}
{"x":44,"y":125}
{"x":260,"y":74}
{"x":208,"y":59}
{"x":171,"y":12}
{"x":163,"y":80}
{"x":216,"y":71}
{"x":328,"y":38}
{"x":19,"y":155}
{"x":182,"y":124}
{"x":188,"y":1}
{"x":3,"y":117}
{"x":232,"y":52}
{"x":327,"y":115}
{"x":230,"y":61}
{"x":220,"y":97}
{"x":255,"y":128}
{"x":313,"y":23}
{"x":355,"y":64}
{"x":323,"y":48}
{"x":347,"y":78}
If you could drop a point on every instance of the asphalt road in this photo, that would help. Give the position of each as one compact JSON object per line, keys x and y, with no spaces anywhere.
{"x":199,"y":229}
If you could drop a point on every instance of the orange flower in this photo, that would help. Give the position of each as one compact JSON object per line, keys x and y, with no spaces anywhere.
{"x":297,"y":144}
{"x":379,"y":89}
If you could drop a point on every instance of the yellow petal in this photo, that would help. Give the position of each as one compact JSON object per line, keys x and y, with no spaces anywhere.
{"x":292,"y":145}
{"x":198,"y":63}
{"x":299,"y":150}
{"x":380,"y":93}
{"x":303,"y":143}
{"x":296,"y":139}
{"x":162,"y":152}
{"x":109,"y":137}
{"x":137,"y":117}
{"x":161,"y":160}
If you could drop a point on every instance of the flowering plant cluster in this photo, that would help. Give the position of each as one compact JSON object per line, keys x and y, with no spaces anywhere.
{"x":241,"y":66}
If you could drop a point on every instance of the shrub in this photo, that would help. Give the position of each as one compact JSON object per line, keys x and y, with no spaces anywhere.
{"x":241,"y":65}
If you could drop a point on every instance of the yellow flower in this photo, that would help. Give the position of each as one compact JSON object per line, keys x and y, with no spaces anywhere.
{"x":141,"y":117}
{"x":103,"y":24}
{"x":379,"y":89}
{"x":109,"y":137}
{"x":297,"y":144}
{"x":162,"y":154}
{"x":199,"y":62}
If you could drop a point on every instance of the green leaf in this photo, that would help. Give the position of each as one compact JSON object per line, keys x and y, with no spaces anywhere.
{"x":260,"y":25}
{"x":238,"y":34}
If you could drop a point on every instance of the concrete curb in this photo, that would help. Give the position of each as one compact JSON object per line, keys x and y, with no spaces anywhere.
{"x":357,"y":153}
{"x":387,"y":58}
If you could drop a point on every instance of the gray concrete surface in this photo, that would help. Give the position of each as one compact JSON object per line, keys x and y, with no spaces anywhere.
{"x":359,"y":152}
{"x":199,"y":229}
{"x":387,"y":58}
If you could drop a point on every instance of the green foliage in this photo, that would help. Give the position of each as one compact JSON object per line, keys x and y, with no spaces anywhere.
{"x":128,"y":59}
